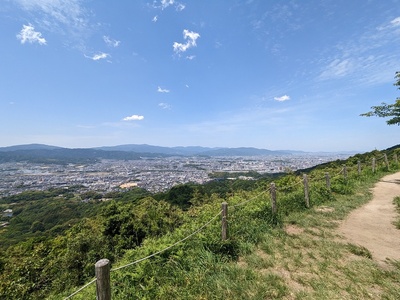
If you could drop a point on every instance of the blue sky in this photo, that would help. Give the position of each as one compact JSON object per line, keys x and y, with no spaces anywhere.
{"x":267,"y":74}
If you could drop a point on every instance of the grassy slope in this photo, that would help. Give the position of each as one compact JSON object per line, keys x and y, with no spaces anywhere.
{"x":296,"y":255}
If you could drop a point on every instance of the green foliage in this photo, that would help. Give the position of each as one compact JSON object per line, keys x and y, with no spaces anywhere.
{"x":126,"y":225}
{"x":387,"y":110}
{"x":291,"y":202}
{"x":54,"y":239}
{"x":228,"y":248}
{"x":359,"y":250}
{"x":130,"y":195}
{"x":396,"y":202}
{"x":43,"y":214}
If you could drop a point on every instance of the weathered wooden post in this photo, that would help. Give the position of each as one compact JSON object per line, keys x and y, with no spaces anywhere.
{"x":386,"y":161}
{"x":328,"y":181}
{"x":102,"y":271}
{"x":305,"y":181}
{"x":273,"y":197}
{"x":359,"y":167}
{"x":373,"y":164}
{"x":224,"y":233}
{"x":345,"y":172}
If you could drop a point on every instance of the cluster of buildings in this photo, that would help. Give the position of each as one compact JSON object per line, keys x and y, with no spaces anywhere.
{"x":152,"y":174}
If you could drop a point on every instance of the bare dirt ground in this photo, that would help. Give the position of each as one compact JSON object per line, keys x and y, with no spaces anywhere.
{"x":371,"y":225}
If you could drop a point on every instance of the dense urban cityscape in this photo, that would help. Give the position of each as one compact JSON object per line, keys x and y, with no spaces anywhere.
{"x":152,"y":174}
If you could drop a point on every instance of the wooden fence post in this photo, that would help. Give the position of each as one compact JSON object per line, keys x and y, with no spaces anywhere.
{"x":359,"y":167}
{"x":373,"y":164}
{"x":102,"y":271}
{"x":224,"y":232}
{"x":345,"y":172}
{"x":273,"y":198}
{"x":305,"y":181}
{"x":386,"y":161}
{"x":328,"y":181}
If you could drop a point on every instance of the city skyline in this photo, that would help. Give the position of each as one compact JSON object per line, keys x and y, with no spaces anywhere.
{"x":269,"y":75}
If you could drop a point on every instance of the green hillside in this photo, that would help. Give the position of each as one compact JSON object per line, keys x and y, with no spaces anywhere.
{"x":291,"y":254}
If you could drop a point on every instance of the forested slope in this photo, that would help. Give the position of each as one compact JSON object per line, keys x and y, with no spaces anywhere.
{"x":54,"y":239}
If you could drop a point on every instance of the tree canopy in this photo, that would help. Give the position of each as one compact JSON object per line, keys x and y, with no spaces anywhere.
{"x":387,"y":110}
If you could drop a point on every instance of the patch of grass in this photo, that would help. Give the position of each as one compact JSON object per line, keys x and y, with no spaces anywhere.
{"x":263,"y":259}
{"x":359,"y":250}
{"x":396,"y":202}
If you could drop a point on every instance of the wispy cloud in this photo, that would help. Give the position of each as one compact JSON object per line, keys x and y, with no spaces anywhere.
{"x":155,"y":19}
{"x":392,"y":24}
{"x":70,"y":20}
{"x":395,"y":22}
{"x":164,"y":105}
{"x":161,"y":90}
{"x":180,"y":7}
{"x":58,"y":13}
{"x":111,"y":42}
{"x":282,"y":98}
{"x":133,"y":118}
{"x":359,"y":60}
{"x":98,"y":56}
{"x":190,"y":37}
{"x":163,"y":4}
{"x":337,"y":68}
{"x":28,"y":34}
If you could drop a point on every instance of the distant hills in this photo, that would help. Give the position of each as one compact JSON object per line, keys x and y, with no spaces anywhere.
{"x":194,"y":150}
{"x":53,"y":154}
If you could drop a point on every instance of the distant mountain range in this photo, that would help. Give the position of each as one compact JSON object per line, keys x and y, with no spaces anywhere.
{"x":46,"y":153}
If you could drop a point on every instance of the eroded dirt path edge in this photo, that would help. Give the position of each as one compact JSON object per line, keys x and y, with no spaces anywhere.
{"x":372,"y":226}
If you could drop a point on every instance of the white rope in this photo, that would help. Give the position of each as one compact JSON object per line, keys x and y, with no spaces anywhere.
{"x":169,"y":247}
{"x":251,"y":199}
{"x":85,"y":286}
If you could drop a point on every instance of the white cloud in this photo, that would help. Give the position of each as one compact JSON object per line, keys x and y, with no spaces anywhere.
{"x":28,"y":34}
{"x":68,"y":19}
{"x":111,"y":42}
{"x":395,"y":22}
{"x":166,"y":3}
{"x":180,"y":7}
{"x":58,"y":12}
{"x":191,"y":57}
{"x":361,"y":60}
{"x":98,"y":56}
{"x":155,"y":19}
{"x":164,"y":105}
{"x":133,"y":118}
{"x":161,"y":90}
{"x":282,"y":98}
{"x":191,"y":38}
{"x":392,"y":24}
{"x":337,"y":68}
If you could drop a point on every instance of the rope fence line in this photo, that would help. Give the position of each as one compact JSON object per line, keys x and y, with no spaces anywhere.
{"x":223,"y":212}
{"x":251,"y":199}
{"x":80,"y":289}
{"x":171,"y":246}
{"x":289,"y":187}
{"x":151,"y":255}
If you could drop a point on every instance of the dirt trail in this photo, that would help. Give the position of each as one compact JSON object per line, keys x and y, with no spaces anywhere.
{"x":372,"y":226}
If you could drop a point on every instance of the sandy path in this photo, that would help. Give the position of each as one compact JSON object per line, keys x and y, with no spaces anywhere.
{"x":372,"y":226}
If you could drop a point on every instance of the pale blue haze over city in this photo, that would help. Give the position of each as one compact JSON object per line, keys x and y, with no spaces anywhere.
{"x":267,"y":74}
